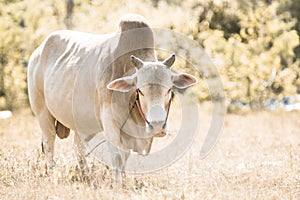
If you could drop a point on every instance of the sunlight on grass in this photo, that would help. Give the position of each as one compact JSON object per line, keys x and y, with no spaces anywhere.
{"x":257,"y":160}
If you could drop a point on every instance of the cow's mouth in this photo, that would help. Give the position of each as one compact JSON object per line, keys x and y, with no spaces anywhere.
{"x":155,"y":131}
{"x":144,"y":153}
{"x":161,"y":133}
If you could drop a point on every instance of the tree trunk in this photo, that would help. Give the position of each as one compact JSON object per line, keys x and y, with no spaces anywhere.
{"x":69,"y":13}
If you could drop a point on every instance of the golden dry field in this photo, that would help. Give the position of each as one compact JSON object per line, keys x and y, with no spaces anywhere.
{"x":254,"y":47}
{"x":256,"y":157}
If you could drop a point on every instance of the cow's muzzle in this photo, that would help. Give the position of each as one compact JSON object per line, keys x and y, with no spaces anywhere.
{"x":157,"y":128}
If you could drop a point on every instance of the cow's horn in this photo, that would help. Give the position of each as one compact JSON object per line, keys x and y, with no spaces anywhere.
{"x":136,"y":61}
{"x":169,"y":61}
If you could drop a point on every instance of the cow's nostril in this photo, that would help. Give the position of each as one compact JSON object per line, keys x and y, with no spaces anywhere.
{"x":157,"y":124}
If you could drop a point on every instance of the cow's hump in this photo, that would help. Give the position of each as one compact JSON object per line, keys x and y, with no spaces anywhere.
{"x":132,"y":21}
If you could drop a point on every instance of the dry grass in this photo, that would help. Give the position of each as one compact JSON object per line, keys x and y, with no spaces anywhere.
{"x":257,"y":157}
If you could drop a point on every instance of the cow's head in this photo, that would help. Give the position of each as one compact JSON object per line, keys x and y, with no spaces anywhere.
{"x":153,"y":82}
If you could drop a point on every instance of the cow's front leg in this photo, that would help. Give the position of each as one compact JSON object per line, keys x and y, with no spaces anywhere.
{"x":119,"y":158}
{"x":119,"y":153}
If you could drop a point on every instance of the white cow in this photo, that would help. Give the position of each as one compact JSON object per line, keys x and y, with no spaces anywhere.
{"x":103,"y":83}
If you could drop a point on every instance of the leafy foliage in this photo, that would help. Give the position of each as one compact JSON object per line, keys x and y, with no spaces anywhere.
{"x":253,"y":43}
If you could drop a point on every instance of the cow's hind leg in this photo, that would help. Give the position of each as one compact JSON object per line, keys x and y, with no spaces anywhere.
{"x":47,"y":124}
{"x":80,"y":154}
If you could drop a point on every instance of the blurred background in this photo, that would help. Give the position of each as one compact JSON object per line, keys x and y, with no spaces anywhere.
{"x":253,"y":43}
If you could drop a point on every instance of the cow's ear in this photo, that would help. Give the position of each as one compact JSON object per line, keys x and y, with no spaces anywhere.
{"x":123,"y":84}
{"x":183,"y":80}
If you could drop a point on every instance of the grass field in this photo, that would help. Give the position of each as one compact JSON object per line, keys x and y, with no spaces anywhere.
{"x":257,"y":157}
